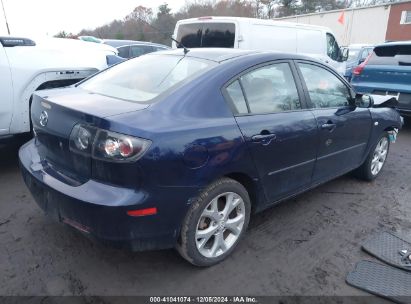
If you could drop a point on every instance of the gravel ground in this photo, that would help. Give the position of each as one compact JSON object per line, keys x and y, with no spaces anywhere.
{"x":304,"y":246}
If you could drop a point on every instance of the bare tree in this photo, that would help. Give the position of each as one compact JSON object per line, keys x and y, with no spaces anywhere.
{"x":131,"y":27}
{"x":362,"y":3}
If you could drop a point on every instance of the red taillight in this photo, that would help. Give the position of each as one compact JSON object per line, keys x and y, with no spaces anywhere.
{"x":142,"y":212}
{"x":358,"y":69}
{"x":126,"y":147}
{"x":106,"y":145}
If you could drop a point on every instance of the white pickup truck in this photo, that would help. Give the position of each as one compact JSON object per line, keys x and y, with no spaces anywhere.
{"x":27,"y":65}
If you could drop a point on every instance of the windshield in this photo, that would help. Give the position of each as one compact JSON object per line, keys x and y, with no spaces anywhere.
{"x":142,"y":79}
{"x":353,"y":54}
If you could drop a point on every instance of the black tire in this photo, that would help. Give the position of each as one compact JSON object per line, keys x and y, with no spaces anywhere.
{"x":364,"y":172}
{"x":187,"y":245}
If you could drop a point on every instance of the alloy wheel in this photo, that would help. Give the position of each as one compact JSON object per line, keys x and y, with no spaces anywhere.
{"x":220,"y":225}
{"x":380,"y":155}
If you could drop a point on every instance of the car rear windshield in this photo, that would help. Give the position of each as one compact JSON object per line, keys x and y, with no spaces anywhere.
{"x":195,"y":35}
{"x":398,"y":55}
{"x":142,"y":79}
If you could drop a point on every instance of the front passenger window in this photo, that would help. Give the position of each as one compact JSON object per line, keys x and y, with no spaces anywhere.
{"x":325,"y":89}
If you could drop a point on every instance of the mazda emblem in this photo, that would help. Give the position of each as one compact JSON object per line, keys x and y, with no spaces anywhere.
{"x":44,"y":118}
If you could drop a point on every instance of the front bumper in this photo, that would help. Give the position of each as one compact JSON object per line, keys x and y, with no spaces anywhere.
{"x":96,"y":209}
{"x":404,"y":106}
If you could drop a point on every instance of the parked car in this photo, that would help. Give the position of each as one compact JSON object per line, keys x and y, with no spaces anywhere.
{"x":27,"y":65}
{"x":357,"y":55}
{"x":387,"y":71}
{"x":130,"y":48}
{"x":176,"y":149}
{"x":119,"y":42}
{"x":136,"y":50}
{"x":90,"y":39}
{"x":257,"y":34}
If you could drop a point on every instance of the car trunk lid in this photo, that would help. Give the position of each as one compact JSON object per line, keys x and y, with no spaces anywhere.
{"x":54,"y":115}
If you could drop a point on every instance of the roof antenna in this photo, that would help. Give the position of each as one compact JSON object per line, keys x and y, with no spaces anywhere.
{"x":5,"y":18}
{"x":179,"y":44}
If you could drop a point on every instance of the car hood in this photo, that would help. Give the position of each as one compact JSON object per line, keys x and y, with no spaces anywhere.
{"x":384,"y":101}
{"x":51,"y":54}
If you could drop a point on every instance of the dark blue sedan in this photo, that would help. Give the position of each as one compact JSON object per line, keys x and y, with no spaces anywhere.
{"x":178,"y":150}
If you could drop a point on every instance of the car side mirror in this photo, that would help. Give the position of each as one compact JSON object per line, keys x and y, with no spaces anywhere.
{"x":345,"y":52}
{"x":362,"y":101}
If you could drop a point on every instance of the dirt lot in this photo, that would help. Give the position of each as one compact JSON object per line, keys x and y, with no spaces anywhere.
{"x":304,"y":246}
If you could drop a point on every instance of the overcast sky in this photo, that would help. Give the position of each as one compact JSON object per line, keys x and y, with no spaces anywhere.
{"x":48,"y":17}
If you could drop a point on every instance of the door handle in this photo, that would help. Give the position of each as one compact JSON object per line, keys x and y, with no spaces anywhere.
{"x":264,"y":139}
{"x":330,"y":126}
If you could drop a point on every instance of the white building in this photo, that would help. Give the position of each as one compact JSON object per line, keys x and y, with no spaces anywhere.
{"x":371,"y":25}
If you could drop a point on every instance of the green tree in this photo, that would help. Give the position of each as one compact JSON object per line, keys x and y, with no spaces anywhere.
{"x":64,"y":34}
{"x":163,"y":10}
{"x":119,"y":35}
{"x":135,"y":26}
{"x":61,"y":34}
{"x":287,"y":7}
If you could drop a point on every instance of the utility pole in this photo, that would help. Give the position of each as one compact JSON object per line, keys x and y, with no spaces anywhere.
{"x":5,"y":17}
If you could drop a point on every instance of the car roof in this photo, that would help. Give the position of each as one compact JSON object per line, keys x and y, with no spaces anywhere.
{"x":118,"y":42}
{"x":222,"y":54}
{"x":406,"y":42}
{"x":213,"y":54}
{"x":144,"y":44}
{"x":279,"y":22}
{"x":359,"y":46}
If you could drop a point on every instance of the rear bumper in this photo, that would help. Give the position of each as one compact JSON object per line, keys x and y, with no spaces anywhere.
{"x":4,"y":138}
{"x":99,"y":210}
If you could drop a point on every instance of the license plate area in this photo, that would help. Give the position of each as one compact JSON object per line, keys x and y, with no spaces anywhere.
{"x":43,"y":198}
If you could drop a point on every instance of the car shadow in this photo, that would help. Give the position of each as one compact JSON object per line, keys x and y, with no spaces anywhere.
{"x":9,"y":150}
{"x":407,"y":124}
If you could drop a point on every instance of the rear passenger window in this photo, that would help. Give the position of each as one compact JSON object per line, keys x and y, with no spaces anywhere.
{"x":325,"y":89}
{"x":271,"y":89}
{"x":138,"y":50}
{"x":237,"y":98}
